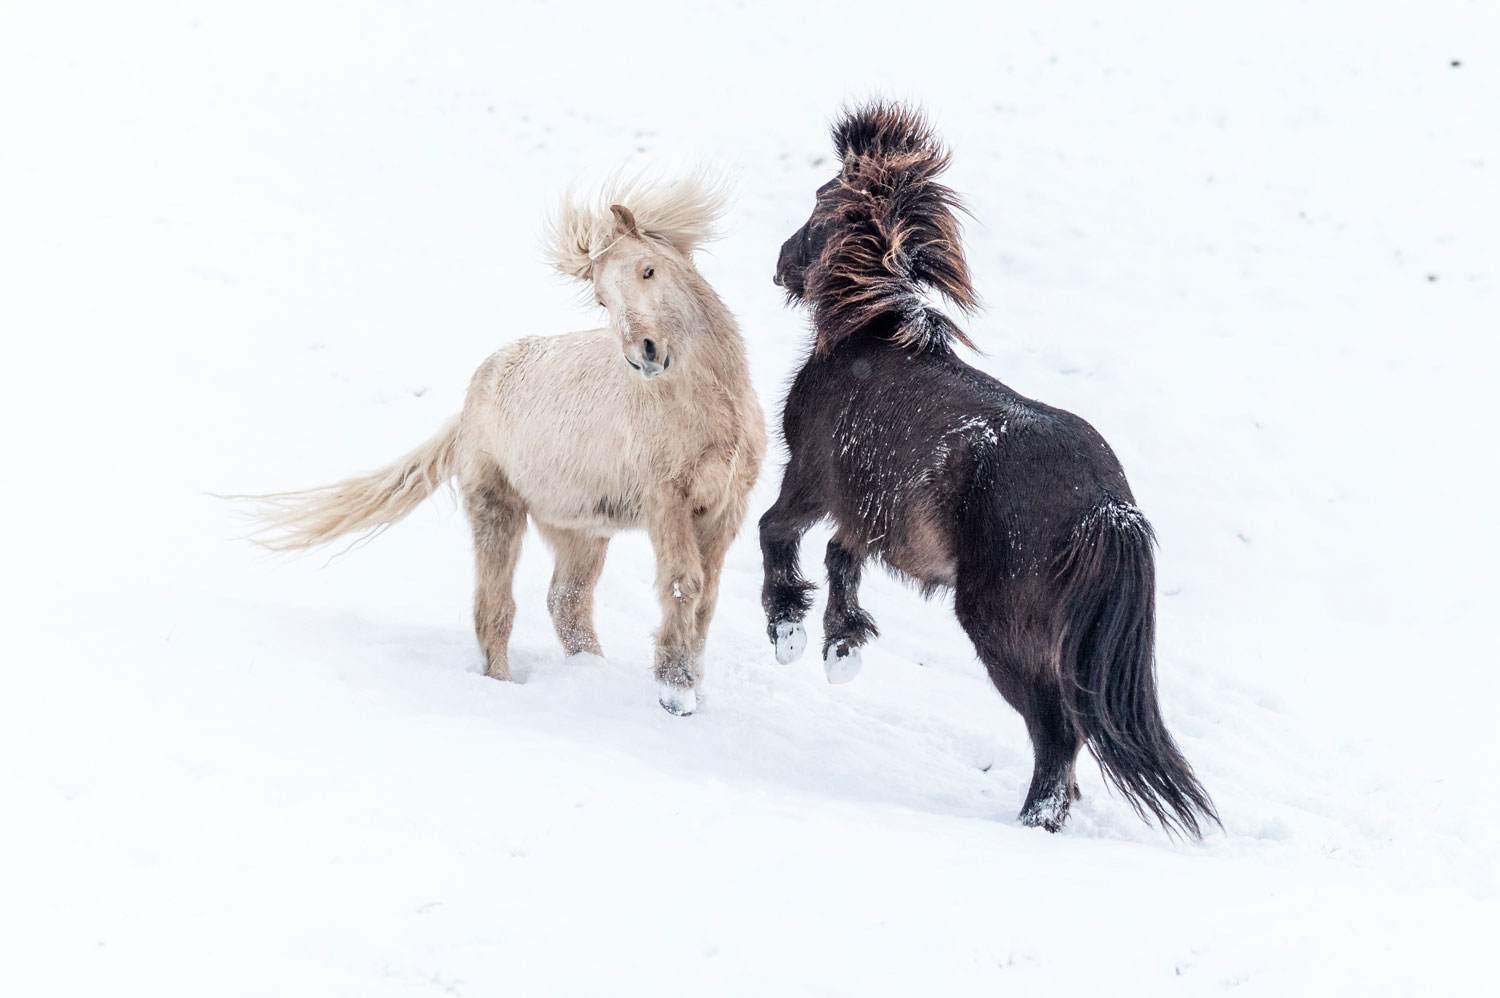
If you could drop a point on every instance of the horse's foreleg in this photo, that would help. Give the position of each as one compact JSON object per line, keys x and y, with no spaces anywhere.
{"x":679,"y":585}
{"x":715,"y":534}
{"x":846,"y":625}
{"x":578,"y":561}
{"x":498,"y":517}
{"x":786,"y":595}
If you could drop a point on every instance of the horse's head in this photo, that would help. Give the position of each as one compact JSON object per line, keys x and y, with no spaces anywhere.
{"x":805,"y":246}
{"x":642,"y":283}
{"x":638,"y":261}
{"x":883,"y":232}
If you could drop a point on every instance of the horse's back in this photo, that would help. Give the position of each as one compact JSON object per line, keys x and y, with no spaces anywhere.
{"x":1028,"y":446}
{"x":905,"y":441}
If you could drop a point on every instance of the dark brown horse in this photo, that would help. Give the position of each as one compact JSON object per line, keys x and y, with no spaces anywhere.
{"x":956,"y":482}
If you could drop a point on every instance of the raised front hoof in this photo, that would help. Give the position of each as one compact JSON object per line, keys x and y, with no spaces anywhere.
{"x":791,"y":641}
{"x":676,"y":700}
{"x":841,"y":663}
{"x":1051,"y":813}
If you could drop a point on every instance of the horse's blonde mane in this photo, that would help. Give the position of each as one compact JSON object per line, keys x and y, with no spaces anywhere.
{"x":683,"y":214}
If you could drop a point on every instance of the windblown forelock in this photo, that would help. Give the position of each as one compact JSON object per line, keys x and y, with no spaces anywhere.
{"x":681,"y":215}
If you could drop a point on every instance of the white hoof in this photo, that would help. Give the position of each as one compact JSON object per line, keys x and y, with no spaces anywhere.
{"x":791,"y":639}
{"x":676,"y":700}
{"x":841,"y":663}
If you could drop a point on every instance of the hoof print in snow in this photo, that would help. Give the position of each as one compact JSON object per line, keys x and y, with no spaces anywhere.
{"x":841,"y":663}
{"x":676,"y":700}
{"x":791,"y":639}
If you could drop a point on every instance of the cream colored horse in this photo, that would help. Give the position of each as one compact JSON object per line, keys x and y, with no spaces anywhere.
{"x":650,"y":422}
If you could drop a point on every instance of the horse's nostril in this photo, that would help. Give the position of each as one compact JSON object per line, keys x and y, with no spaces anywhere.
{"x":649,"y":348}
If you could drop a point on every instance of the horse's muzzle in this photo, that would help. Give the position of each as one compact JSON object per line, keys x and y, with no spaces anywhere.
{"x":648,"y":359}
{"x":649,"y":368}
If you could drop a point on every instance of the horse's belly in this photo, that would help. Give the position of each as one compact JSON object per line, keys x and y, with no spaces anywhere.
{"x":575,"y":485}
{"x":925,"y":552}
{"x":914,"y":543}
{"x":605,"y":515}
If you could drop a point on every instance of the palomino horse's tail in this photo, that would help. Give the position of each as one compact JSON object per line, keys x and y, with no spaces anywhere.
{"x":1109,"y":668}
{"x":295,"y":520}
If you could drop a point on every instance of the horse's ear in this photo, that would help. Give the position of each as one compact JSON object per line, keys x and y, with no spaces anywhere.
{"x":624,"y":220}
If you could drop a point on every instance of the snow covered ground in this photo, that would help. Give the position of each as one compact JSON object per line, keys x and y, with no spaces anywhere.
{"x":253,"y":247}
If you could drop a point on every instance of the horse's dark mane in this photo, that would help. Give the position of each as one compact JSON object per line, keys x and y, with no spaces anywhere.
{"x":880,"y":128}
{"x":891,"y":231}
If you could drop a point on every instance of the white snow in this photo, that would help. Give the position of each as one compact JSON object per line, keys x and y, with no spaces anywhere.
{"x":258,"y":247}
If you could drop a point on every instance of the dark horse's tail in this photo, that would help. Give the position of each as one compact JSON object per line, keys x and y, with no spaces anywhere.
{"x":1109,"y":668}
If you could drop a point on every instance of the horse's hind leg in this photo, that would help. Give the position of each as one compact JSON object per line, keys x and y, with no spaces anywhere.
{"x":846,"y":625}
{"x":578,"y":561}
{"x":1021,"y":661}
{"x":1055,"y":745}
{"x":498,"y":517}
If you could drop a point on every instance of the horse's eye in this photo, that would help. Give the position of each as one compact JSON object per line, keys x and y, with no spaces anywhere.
{"x":648,"y":274}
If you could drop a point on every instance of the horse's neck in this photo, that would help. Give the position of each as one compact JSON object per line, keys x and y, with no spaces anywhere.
{"x":722,"y":349}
